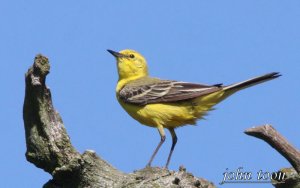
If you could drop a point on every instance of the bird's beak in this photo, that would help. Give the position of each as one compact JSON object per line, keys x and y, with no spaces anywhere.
{"x":115,"y":54}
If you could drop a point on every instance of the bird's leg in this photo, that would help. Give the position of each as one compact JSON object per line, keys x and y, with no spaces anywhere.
{"x":162,"y":140}
{"x":174,"y":141}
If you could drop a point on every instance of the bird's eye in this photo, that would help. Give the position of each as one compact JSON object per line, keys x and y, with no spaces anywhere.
{"x":131,"y":56}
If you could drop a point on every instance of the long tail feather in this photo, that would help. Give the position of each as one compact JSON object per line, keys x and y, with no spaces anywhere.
{"x":252,"y":82}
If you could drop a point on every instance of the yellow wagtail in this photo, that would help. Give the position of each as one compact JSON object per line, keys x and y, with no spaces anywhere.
{"x":167,"y":103}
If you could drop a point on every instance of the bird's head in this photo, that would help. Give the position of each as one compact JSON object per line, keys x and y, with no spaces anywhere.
{"x":130,"y":63}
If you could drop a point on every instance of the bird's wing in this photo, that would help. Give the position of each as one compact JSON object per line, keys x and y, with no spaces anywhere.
{"x":164,"y":91}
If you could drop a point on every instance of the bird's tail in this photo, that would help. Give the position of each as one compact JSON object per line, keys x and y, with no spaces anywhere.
{"x":251,"y":82}
{"x":208,"y":101}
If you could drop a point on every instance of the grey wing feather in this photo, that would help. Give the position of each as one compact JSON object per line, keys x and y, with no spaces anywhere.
{"x":164,"y":91}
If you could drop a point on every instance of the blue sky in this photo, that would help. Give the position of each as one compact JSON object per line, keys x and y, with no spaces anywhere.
{"x":197,"y":41}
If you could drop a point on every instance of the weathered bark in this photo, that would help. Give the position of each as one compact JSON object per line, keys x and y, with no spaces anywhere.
{"x":49,"y":147}
{"x":279,"y":143}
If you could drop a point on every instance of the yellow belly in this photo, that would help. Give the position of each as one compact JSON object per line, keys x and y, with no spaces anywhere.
{"x":172,"y":115}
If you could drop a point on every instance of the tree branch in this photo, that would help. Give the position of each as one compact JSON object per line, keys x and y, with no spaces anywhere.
{"x":280,"y":144}
{"x":49,"y":147}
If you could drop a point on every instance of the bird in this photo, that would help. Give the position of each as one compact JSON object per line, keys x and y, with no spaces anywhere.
{"x":168,"y":104}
